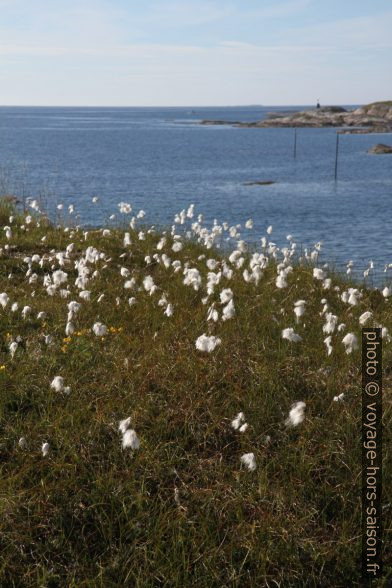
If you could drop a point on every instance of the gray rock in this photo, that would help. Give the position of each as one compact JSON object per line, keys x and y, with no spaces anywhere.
{"x":260,"y":183}
{"x":376,"y":117}
{"x":380,"y":148}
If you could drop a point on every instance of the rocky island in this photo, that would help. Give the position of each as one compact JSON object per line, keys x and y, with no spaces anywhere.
{"x":371,"y":118}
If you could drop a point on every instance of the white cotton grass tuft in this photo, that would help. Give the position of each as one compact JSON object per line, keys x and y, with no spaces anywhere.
{"x":99,"y":329}
{"x":339,"y":398}
{"x":130,"y":284}
{"x":296,"y":415}
{"x":299,"y":309}
{"x":130,"y":440}
{"x":237,"y":422}
{"x":25,"y":311}
{"x":85,"y":295}
{"x":4,"y":299}
{"x":327,"y":342}
{"x":45,"y":449}
{"x":22,"y":443}
{"x":351,"y":342}
{"x":69,"y":329}
{"x":318,"y":273}
{"x":281,"y":281}
{"x":57,"y":383}
{"x":330,"y":325}
{"x":13,"y":347}
{"x":148,"y":283}
{"x":212,"y":314}
{"x":228,"y":311}
{"x":290,"y":335}
{"x":129,"y":436}
{"x":124,"y":425}
{"x":365,"y":317}
{"x":226,"y":295}
{"x":249,"y":460}
{"x":177,"y":246}
{"x":207,"y":343}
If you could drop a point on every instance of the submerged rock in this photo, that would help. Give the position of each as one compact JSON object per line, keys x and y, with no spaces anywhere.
{"x":260,"y":183}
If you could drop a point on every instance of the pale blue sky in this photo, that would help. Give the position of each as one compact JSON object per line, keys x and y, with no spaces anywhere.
{"x":194,"y":52}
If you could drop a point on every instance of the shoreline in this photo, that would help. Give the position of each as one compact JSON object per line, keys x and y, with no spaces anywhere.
{"x":372,"y":118}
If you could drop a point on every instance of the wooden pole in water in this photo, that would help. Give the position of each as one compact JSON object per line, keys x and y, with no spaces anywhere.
{"x":336,"y":156}
{"x":295,"y":143}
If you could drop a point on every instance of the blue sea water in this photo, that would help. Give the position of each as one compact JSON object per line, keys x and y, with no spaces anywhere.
{"x":161,"y":160}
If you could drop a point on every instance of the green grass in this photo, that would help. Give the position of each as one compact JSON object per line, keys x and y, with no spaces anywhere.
{"x":181,"y":511}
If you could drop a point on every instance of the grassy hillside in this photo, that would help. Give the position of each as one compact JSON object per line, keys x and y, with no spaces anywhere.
{"x":182,"y":509}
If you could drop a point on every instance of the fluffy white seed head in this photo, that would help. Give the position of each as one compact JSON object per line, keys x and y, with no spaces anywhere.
{"x":57,"y":383}
{"x":99,"y":329}
{"x":290,"y":335}
{"x":351,"y":342}
{"x":208,"y":344}
{"x":130,"y":440}
{"x":45,"y":449}
{"x":296,"y":414}
{"x":249,"y":460}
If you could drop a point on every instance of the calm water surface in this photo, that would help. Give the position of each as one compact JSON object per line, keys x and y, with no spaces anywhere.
{"x":161,"y":160}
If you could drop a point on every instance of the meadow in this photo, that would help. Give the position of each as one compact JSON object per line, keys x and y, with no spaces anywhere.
{"x":179,"y":409}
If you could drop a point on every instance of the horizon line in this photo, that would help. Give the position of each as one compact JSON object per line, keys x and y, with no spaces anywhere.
{"x":177,"y":105}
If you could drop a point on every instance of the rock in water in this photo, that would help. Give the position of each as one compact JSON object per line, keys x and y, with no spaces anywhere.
{"x":260,"y":183}
{"x":380,"y":148}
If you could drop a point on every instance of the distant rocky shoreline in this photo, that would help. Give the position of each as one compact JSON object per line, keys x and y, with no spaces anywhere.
{"x":372,"y":118}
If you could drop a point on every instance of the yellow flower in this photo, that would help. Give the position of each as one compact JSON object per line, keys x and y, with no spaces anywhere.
{"x":66,"y":339}
{"x":64,"y":348}
{"x":2,"y":368}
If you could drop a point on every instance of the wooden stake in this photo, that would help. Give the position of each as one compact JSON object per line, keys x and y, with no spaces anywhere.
{"x":336,"y":156}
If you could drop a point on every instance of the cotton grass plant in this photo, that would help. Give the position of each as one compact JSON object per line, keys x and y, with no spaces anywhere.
{"x":123,"y":363}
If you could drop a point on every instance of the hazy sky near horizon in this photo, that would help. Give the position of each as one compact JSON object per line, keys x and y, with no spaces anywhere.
{"x":194,"y":52}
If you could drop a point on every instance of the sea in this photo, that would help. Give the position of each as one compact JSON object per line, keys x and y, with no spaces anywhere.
{"x":161,"y":160}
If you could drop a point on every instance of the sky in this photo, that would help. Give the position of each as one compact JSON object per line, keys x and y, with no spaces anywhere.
{"x":194,"y":52}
